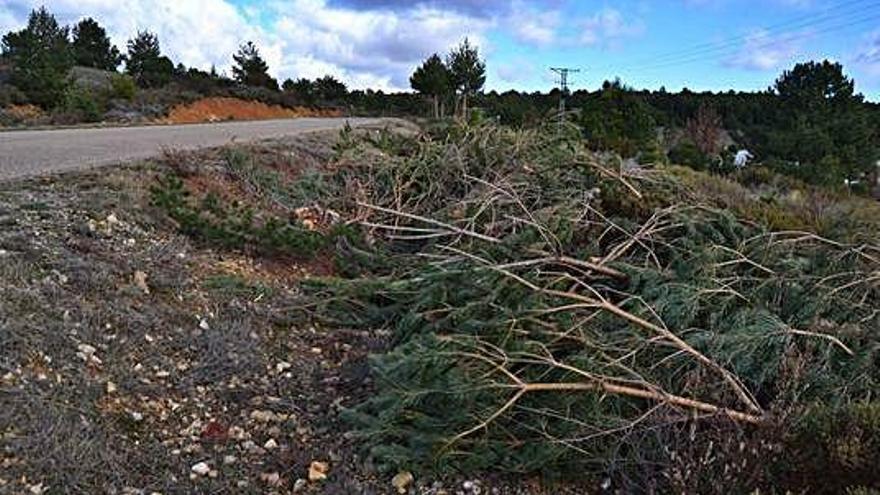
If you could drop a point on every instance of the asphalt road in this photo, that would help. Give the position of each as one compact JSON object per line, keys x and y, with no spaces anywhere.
{"x":28,"y":153}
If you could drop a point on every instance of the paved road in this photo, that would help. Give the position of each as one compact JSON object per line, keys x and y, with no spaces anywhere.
{"x":25,"y":153}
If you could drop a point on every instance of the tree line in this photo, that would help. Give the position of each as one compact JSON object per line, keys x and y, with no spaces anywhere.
{"x":811,"y":123}
{"x":43,"y":53}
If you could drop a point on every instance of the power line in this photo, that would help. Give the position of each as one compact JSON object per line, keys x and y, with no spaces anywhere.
{"x":796,"y":23}
{"x":563,"y":88}
{"x":793,"y":37}
{"x":695,"y":53}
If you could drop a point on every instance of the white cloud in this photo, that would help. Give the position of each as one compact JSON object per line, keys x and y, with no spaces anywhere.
{"x":533,"y":26}
{"x":763,"y":51}
{"x":298,"y":38}
{"x":867,"y":57}
{"x":609,"y":27}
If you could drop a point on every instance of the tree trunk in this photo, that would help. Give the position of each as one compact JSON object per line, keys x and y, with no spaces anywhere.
{"x":436,"y":106}
{"x":464,"y":105}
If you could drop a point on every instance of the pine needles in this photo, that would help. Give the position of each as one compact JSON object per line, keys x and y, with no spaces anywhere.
{"x":553,"y":309}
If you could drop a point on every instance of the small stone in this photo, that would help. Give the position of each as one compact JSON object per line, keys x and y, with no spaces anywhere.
{"x":203,"y":324}
{"x":86,"y":349}
{"x":111,"y":219}
{"x":137,"y":416}
{"x":271,"y":479}
{"x":402,"y":481}
{"x":140,"y":281}
{"x":299,"y":485}
{"x":111,"y":387}
{"x":270,"y":444}
{"x":263,"y":416}
{"x":282,"y":366}
{"x":229,"y":459}
{"x":201,"y":468}
{"x":318,"y":471}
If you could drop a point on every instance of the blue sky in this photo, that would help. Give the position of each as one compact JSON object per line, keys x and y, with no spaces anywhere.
{"x":701,"y":44}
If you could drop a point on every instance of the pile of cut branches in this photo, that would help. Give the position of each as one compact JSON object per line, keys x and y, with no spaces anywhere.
{"x":556,"y":313}
{"x":553,"y":311}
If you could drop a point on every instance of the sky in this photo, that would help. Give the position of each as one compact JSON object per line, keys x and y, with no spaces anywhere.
{"x":698,"y":44}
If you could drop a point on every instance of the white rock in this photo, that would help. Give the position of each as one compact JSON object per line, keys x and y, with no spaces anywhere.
{"x":270,"y":444}
{"x":230,"y":459}
{"x":201,"y":468}
{"x":203,"y":324}
{"x":111,"y":387}
{"x":86,"y":349}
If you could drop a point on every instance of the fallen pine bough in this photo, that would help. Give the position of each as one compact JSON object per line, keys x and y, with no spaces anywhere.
{"x":552,"y":313}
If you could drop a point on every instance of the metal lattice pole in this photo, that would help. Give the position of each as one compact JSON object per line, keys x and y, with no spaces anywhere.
{"x":563,"y":89}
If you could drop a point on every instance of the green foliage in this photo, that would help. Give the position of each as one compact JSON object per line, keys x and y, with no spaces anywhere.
{"x":250,"y":69}
{"x":83,"y":104}
{"x":329,"y":89}
{"x":823,"y":123}
{"x":11,"y":95}
{"x":434,"y":79}
{"x":618,"y":120}
{"x":461,"y":308}
{"x":41,"y":58}
{"x":233,"y":226}
{"x":145,"y":62}
{"x":91,"y":46}
{"x":467,"y":71}
{"x":302,"y":88}
{"x":123,"y":87}
{"x":687,"y":153}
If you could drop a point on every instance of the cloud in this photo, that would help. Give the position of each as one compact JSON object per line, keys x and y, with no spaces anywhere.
{"x":298,"y":38}
{"x":609,"y":27}
{"x":867,"y":56}
{"x":197,"y":33}
{"x":379,"y":46}
{"x":763,"y":51}
{"x":534,"y":26}
{"x":481,"y":8}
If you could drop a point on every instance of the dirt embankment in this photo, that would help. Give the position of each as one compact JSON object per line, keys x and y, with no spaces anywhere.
{"x":218,"y":109}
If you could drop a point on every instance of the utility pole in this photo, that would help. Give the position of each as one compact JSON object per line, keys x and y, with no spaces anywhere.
{"x":563,"y":88}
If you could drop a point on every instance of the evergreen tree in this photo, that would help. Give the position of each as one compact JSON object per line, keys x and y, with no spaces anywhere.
{"x":41,"y":58}
{"x":145,"y":62}
{"x":328,"y":88}
{"x":432,"y":78}
{"x":92,"y":47}
{"x":617,"y":119}
{"x":468,"y":72}
{"x":823,"y":123}
{"x":250,"y":69}
{"x":302,"y":88}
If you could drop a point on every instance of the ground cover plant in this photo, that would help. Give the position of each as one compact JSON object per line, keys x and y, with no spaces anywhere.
{"x":551,"y":313}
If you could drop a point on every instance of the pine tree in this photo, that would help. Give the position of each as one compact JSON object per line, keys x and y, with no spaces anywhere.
{"x":145,"y":63}
{"x":432,"y":78}
{"x":250,"y":69}
{"x":468,"y":72}
{"x":328,"y":88}
{"x":92,"y":47}
{"x":41,"y":58}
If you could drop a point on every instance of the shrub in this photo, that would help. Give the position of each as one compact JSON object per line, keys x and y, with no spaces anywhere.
{"x":11,"y":95}
{"x":687,"y":153}
{"x":122,"y":87}
{"x":82,"y":105}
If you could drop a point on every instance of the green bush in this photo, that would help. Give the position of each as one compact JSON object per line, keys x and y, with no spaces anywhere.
{"x":10,"y":95}
{"x":82,"y":104}
{"x":687,"y":153}
{"x":122,"y":87}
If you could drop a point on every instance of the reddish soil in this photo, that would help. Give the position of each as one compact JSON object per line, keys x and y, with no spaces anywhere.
{"x":221,"y":108}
